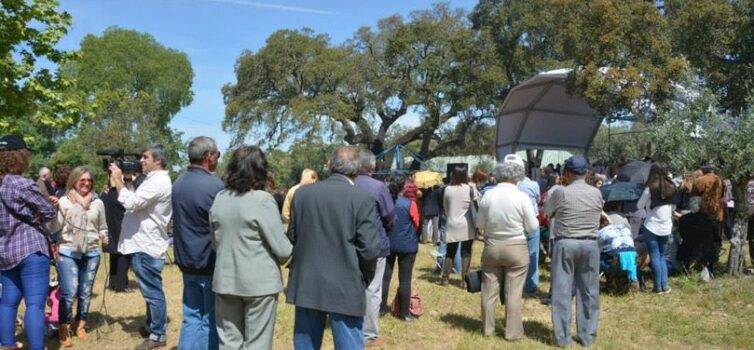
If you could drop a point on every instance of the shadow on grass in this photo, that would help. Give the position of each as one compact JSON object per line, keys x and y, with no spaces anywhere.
{"x":534,"y":330}
{"x":105,"y":323}
{"x":428,"y":274}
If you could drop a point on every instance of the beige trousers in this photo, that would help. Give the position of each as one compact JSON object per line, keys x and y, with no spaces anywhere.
{"x":505,"y":261}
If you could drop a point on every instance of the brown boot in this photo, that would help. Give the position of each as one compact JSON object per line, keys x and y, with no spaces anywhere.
{"x":80,"y":330}
{"x":465,"y":264}
{"x":447,"y":266}
{"x":64,"y":335}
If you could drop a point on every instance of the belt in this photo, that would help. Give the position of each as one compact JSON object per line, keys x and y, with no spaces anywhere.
{"x":586,"y":238}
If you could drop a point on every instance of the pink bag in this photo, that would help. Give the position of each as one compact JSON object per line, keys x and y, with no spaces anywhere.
{"x":53,"y":300}
{"x":414,"y":306}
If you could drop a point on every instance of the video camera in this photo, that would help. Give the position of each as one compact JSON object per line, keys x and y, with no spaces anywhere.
{"x":128,"y":162}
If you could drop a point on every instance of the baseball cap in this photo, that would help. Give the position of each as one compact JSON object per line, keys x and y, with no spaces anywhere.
{"x":513,"y":158}
{"x":576,"y":164}
{"x":12,"y":143}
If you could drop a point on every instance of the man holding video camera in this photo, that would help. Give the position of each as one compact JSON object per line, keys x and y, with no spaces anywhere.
{"x":144,"y":234}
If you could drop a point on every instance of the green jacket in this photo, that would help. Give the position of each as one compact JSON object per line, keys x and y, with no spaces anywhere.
{"x":248,"y":236}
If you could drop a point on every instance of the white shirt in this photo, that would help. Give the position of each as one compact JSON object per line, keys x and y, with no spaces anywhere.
{"x":506,"y":213}
{"x":148,"y":211}
{"x":658,"y":220}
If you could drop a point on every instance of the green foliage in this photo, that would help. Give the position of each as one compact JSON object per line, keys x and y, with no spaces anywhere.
{"x":130,"y":87}
{"x":299,"y":86}
{"x":700,"y":130}
{"x":31,"y":98}
{"x":619,"y":50}
{"x":287,"y":166}
{"x":716,"y":37}
{"x":627,"y":141}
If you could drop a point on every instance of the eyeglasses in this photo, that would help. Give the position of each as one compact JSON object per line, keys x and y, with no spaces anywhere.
{"x":86,"y":180}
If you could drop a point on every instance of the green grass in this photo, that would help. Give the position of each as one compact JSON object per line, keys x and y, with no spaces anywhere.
{"x":716,"y":315}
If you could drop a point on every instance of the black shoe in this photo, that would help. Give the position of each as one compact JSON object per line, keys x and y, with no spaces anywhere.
{"x":144,"y":332}
{"x":384,"y":311}
{"x":150,"y":344}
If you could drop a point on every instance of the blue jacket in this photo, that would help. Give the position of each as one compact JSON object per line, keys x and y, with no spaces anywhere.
{"x":193,"y":195}
{"x":385,"y":211}
{"x":403,"y":236}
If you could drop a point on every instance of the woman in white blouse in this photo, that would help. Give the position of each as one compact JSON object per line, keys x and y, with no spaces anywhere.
{"x":505,"y":215}
{"x":658,"y":201}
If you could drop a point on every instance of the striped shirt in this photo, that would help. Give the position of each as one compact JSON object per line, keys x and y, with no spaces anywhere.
{"x":576,"y":209}
{"x":23,"y":211}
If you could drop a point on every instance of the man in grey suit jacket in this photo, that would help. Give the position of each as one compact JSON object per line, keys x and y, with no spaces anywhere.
{"x":335,"y":246}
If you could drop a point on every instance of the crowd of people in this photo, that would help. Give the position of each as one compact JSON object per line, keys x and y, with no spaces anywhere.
{"x":339,"y":240}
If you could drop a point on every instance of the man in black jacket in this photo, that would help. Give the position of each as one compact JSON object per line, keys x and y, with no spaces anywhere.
{"x":335,"y":245}
{"x":192,"y":197}
{"x":114,"y":211}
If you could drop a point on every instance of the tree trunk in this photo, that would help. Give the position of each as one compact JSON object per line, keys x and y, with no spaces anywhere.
{"x":736,"y":256}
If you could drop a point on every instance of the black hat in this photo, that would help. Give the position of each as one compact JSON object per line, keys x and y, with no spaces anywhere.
{"x":12,"y":143}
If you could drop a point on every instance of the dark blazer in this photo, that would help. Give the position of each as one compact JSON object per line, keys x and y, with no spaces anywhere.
{"x":336,"y":243}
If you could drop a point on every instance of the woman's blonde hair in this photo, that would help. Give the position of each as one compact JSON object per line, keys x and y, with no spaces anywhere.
{"x":75,"y":175}
{"x":308,"y":177}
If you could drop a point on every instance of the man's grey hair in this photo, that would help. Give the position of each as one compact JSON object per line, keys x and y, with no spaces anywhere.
{"x":345,"y":161}
{"x":508,"y":172}
{"x":43,"y":170}
{"x":159,"y":154}
{"x":695,"y":204}
{"x":199,"y":147}
{"x":367,"y":160}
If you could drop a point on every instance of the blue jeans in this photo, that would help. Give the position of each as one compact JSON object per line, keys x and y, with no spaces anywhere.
{"x":29,"y":280}
{"x":310,"y":325}
{"x":658,"y":253}
{"x":76,"y":280}
{"x":149,"y":274}
{"x":532,"y":275}
{"x":198,"y":330}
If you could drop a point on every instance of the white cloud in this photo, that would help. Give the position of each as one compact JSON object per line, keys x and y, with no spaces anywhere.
{"x":277,"y":7}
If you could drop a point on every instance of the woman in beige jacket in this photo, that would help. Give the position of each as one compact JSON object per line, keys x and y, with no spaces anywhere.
{"x":83,"y":230}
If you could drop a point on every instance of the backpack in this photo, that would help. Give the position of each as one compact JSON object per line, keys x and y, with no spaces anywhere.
{"x":414,"y":306}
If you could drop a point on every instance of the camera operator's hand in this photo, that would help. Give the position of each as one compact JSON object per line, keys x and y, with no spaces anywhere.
{"x":117,"y":175}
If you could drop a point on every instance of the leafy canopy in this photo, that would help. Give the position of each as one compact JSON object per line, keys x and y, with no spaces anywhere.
{"x":32,"y":96}
{"x":130,"y":87}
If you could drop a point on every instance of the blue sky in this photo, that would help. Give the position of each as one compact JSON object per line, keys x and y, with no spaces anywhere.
{"x":214,"y":33}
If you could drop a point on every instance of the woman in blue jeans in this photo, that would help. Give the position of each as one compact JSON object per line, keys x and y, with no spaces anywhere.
{"x":24,"y":254}
{"x":658,"y":201}
{"x":83,"y":229}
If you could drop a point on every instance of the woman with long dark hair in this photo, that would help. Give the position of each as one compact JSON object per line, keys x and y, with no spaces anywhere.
{"x":24,"y":253}
{"x":658,"y":201}
{"x":247,"y":234}
{"x":83,"y":230}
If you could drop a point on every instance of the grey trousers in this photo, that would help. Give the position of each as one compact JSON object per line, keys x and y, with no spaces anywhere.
{"x":575,"y":264}
{"x":374,"y":299}
{"x":245,"y":322}
{"x":508,"y":261}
